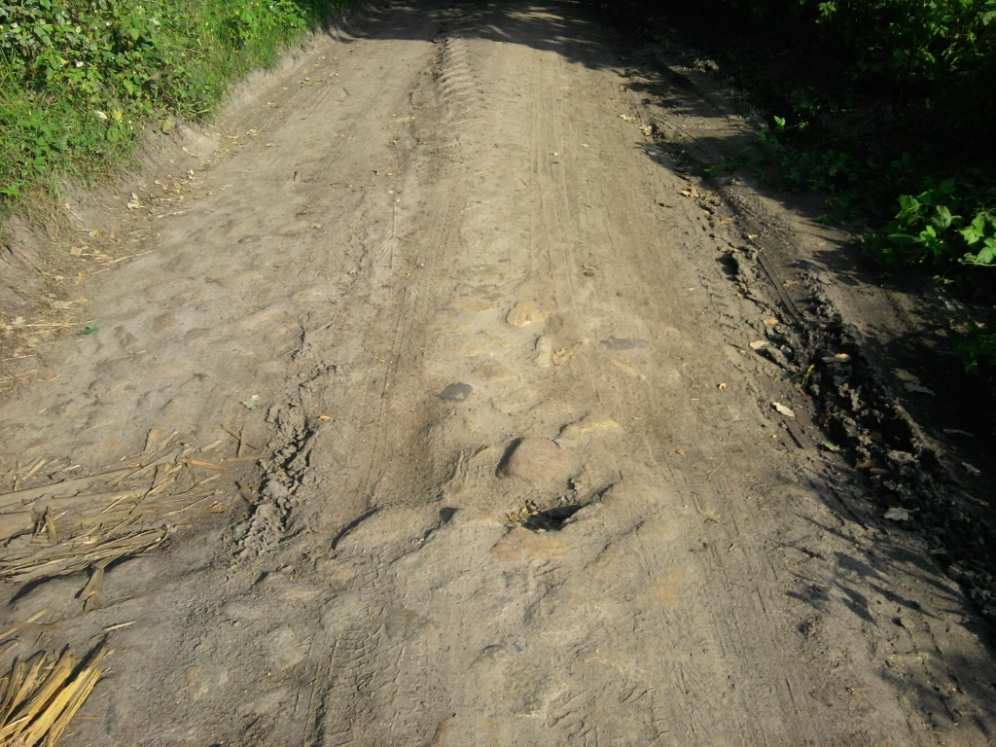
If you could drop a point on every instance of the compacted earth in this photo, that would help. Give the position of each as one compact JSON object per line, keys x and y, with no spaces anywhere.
{"x":426,"y":397}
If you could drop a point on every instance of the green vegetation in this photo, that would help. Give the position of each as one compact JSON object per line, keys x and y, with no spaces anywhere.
{"x":926,"y":231}
{"x":887,"y":107}
{"x":80,"y":78}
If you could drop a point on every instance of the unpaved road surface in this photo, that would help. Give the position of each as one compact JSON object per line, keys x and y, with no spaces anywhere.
{"x":432,"y":373}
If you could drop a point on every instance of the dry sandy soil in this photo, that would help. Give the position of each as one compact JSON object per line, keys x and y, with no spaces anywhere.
{"x":421,"y":409}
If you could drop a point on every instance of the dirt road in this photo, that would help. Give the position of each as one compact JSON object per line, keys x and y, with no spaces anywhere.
{"x":520,"y":477}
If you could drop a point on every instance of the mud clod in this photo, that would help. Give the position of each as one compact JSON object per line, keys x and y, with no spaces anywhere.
{"x":543,"y":352}
{"x":456,"y":392}
{"x":538,"y":461}
{"x":524,"y":314}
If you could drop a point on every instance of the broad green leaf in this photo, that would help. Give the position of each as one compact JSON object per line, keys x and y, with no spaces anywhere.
{"x":974,"y":232}
{"x":943,"y":217}
{"x":909,"y":207}
{"x":987,"y":257}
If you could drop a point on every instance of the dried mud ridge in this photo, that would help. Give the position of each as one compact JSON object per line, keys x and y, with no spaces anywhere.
{"x":857,"y":411}
{"x":424,"y":411}
{"x":818,"y":349}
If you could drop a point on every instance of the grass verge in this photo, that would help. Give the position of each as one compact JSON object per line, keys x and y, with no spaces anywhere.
{"x":80,"y":79}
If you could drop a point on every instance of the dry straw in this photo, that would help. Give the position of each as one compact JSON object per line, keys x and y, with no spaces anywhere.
{"x":88,"y":523}
{"x":40,"y":696}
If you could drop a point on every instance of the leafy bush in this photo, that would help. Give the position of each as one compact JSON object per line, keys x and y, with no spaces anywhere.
{"x":878,"y":99}
{"x":950,"y":221}
{"x":79,"y":78}
{"x":927,"y":47}
{"x":948,"y":226}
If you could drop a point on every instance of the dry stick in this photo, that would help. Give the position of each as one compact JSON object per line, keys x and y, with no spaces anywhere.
{"x":24,"y":715}
{"x":168,"y":478}
{"x":212,"y":446}
{"x":155,"y":481}
{"x":22,"y":682}
{"x":24,"y":509}
{"x":133,"y":475}
{"x":10,"y":692}
{"x":64,"y":706}
{"x":119,"y":626}
{"x":191,"y":505}
{"x":38,"y":465}
{"x":120,"y":525}
{"x":26,"y":494}
{"x":68,"y":560}
{"x":168,"y":441}
{"x":120,"y":499}
{"x":116,"y":496}
{"x":206,"y":465}
{"x":203,"y":482}
{"x":88,"y":681}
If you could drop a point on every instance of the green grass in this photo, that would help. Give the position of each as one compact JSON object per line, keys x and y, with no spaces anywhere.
{"x":80,"y":79}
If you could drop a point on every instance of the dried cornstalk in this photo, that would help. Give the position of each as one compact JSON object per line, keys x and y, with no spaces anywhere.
{"x":77,"y":555}
{"x":39,"y":697}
